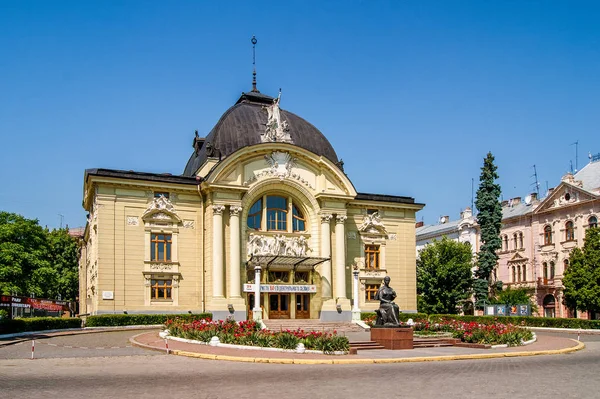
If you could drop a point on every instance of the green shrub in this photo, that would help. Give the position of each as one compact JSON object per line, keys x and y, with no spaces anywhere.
{"x":38,"y":324}
{"x":286,"y":340}
{"x":111,"y":320}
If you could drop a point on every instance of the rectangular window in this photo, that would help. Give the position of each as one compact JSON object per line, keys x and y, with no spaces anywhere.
{"x":161,"y":289}
{"x":370,"y":291}
{"x":160,"y":248}
{"x":372,"y":256}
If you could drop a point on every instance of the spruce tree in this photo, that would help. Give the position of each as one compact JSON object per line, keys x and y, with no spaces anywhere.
{"x":490,"y":220}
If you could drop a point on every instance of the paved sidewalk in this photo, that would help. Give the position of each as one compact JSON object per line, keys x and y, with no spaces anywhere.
{"x":545,"y":345}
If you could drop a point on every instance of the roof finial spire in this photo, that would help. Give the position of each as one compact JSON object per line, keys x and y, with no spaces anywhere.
{"x":254,"y":41}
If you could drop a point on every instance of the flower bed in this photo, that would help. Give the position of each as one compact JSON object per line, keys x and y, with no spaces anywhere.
{"x":249,"y":333}
{"x":476,"y":333}
{"x":484,"y":331}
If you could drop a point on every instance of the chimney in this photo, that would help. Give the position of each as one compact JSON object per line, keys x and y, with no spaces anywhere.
{"x":444,"y":219}
{"x":516,"y":201}
{"x":533,"y":197}
{"x":504,"y":203}
{"x":419,"y":224}
{"x":550,"y":190}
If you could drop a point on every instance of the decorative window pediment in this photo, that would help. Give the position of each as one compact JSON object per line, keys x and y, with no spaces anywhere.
{"x":372,"y":225}
{"x":161,"y":209}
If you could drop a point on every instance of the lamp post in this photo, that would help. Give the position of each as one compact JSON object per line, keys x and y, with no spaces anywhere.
{"x":355,"y":308}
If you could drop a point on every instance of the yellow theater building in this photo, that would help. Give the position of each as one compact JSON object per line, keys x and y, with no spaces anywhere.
{"x":263,"y":223}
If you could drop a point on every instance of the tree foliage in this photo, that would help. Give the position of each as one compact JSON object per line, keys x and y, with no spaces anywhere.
{"x":515,"y":296}
{"x":444,"y":277}
{"x":582,"y":278}
{"x":36,"y":261}
{"x":489,"y":218}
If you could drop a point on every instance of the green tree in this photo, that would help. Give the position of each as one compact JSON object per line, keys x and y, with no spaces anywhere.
{"x":444,"y":277}
{"x":489,"y":218}
{"x":64,"y":258}
{"x":23,"y":250}
{"x":36,"y":261}
{"x":515,"y":296}
{"x":582,"y":278}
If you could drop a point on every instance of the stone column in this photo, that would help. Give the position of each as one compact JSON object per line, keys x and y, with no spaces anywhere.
{"x":340,"y":257}
{"x":257,"y":311}
{"x":235,"y":290}
{"x":217,"y":272}
{"x":326,"y":253}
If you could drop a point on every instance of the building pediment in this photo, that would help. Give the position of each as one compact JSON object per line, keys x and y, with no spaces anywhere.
{"x":565,"y":195}
{"x":517,"y":258}
{"x":161,"y":209}
{"x":372,"y":225}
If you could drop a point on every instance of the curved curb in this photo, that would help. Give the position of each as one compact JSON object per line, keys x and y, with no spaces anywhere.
{"x":477,"y":356}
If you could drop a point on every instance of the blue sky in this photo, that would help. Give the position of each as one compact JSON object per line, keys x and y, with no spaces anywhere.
{"x":412,"y":95}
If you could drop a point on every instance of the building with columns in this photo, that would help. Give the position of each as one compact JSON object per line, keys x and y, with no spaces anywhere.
{"x":263,"y":223}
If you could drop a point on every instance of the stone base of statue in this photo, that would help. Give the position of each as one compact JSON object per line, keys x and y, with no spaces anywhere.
{"x":393,"y":337}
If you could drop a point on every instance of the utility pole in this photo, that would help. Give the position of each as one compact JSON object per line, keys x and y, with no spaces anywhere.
{"x":62,"y":218}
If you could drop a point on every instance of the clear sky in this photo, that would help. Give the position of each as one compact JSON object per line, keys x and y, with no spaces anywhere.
{"x":411,"y":94}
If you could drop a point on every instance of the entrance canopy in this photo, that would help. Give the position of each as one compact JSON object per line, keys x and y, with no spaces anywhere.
{"x":285,"y":262}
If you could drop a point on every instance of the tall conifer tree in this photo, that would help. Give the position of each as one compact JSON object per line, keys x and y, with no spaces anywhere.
{"x":490,"y":220}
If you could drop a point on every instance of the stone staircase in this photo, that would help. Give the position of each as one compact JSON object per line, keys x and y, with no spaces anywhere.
{"x":434,"y":342}
{"x":312,"y":325}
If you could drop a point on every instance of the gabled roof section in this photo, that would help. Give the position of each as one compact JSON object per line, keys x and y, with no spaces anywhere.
{"x":517,"y":258}
{"x":565,"y":194}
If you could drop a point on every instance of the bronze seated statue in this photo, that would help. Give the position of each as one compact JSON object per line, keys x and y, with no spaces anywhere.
{"x":388,"y":313}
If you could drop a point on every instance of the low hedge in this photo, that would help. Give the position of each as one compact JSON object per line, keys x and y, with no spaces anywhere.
{"x":111,"y":320}
{"x":529,"y":321}
{"x":38,"y":324}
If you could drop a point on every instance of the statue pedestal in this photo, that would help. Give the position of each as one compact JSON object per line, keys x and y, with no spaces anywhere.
{"x":400,"y":337}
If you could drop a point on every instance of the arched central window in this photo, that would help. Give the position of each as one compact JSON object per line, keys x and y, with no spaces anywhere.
{"x":547,"y":235}
{"x":593,"y":221}
{"x":276,"y":213}
{"x":272,"y":213}
{"x":569,"y":231}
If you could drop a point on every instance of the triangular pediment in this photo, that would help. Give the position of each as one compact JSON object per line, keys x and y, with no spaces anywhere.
{"x":517,"y":258}
{"x":565,"y":195}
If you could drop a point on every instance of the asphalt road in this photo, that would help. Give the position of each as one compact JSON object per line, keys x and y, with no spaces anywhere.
{"x":127,"y":372}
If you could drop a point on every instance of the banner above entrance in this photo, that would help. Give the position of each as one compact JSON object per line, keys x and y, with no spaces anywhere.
{"x":282,"y":288}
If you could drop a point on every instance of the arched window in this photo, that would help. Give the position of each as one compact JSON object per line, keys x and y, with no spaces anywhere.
{"x":593,"y":221}
{"x":275,"y":209}
{"x":552,"y":270}
{"x":519,"y":273}
{"x":298,"y":222}
{"x":515,"y":241}
{"x":506,"y":243}
{"x":276,"y":213}
{"x":520,"y":240}
{"x":545,"y":267}
{"x":255,"y":215}
{"x":569,"y":231}
{"x":547,"y":235}
{"x":524,"y":270}
{"x":514,"y":274}
{"x":565,"y":265}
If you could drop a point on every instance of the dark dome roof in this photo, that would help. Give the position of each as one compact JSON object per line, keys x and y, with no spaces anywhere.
{"x":243,"y":124}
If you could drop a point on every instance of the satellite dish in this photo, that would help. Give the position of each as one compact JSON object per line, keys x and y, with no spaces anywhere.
{"x":528,"y":199}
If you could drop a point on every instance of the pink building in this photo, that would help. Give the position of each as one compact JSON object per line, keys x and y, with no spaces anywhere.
{"x":538,"y":236}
